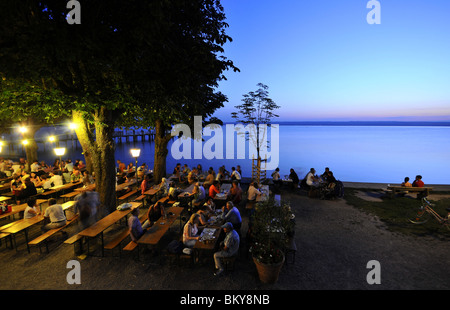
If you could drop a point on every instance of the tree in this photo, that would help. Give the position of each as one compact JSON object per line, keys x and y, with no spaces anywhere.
{"x":257,"y":109}
{"x":29,"y":106}
{"x":129,"y":63}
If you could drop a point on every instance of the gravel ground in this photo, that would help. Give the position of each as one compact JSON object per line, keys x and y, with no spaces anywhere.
{"x":334,"y":241}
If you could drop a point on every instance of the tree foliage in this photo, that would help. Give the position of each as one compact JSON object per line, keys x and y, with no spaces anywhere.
{"x":129,"y":63}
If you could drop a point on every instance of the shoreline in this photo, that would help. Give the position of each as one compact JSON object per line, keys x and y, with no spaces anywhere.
{"x":436,"y":187}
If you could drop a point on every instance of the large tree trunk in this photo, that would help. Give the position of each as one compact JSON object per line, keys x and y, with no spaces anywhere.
{"x":161,"y":141}
{"x":31,"y":148}
{"x":100,"y":150}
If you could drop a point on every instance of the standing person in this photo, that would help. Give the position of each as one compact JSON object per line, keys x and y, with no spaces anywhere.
{"x":190,"y":231}
{"x":53,"y":216}
{"x":86,"y":205}
{"x":31,"y":209}
{"x":230,"y":247}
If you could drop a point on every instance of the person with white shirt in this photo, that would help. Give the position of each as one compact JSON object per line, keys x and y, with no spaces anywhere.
{"x":31,"y":210}
{"x":235,"y":175}
{"x":56,"y":179}
{"x":253,"y":192}
{"x":34,"y":167}
{"x":53,"y":215}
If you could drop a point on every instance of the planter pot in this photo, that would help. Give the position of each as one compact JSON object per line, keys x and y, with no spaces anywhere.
{"x":268,"y":273}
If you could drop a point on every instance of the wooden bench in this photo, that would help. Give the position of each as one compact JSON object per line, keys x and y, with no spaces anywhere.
{"x":47,"y":193}
{"x":425,"y":191}
{"x":140,"y":198}
{"x":69,"y":195}
{"x":73,"y":240}
{"x":6,"y":235}
{"x":45,"y":236}
{"x":122,"y":236}
{"x":128,"y":195}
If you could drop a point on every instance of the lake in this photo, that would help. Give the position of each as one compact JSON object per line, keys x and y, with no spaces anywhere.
{"x":375,"y":154}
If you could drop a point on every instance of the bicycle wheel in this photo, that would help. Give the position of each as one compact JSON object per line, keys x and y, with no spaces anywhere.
{"x":421,"y":217}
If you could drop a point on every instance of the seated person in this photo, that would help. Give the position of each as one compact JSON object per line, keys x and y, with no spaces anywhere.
{"x":209,"y":179}
{"x":28,"y":189}
{"x":294,"y":177}
{"x":406,"y":183}
{"x":235,"y":193}
{"x":174,"y":191}
{"x":46,"y":183}
{"x":191,"y":231}
{"x":210,"y":205}
{"x":54,"y":216}
{"x":214,"y":189}
{"x":235,"y":175}
{"x":31,"y":209}
{"x":134,"y":225}
{"x":311,"y":179}
{"x":418,"y":182}
{"x":145,"y":185}
{"x":253,"y":191}
{"x":231,"y":214}
{"x":155,"y":212}
{"x":192,"y":176}
{"x":229,"y":247}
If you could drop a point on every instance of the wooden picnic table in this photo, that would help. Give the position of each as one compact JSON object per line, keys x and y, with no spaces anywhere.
{"x":152,"y":191}
{"x":100,"y":226}
{"x":4,"y":198}
{"x":20,"y":208}
{"x":207,"y":246}
{"x":119,"y":187}
{"x":23,"y":226}
{"x":400,"y":189}
{"x":154,"y":234}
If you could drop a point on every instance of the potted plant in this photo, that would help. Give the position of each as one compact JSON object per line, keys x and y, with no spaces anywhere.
{"x":270,"y":227}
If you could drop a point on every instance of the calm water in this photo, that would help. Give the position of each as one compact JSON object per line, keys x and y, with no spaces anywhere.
{"x":354,"y":153}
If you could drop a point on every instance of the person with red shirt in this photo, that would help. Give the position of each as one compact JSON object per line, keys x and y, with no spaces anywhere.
{"x":214,"y":189}
{"x":418,"y":182}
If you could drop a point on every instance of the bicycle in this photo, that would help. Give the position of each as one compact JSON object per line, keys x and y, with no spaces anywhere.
{"x":426,"y":212}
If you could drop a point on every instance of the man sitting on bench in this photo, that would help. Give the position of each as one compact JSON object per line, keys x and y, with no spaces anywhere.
{"x":54,"y":216}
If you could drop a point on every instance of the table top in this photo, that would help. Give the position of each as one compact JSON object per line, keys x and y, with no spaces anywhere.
{"x":101,"y":225}
{"x":152,"y":191}
{"x":23,"y":224}
{"x":211,"y":244}
{"x":160,"y":227}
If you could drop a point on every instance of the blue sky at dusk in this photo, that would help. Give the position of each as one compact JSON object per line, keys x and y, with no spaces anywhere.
{"x":323,"y":61}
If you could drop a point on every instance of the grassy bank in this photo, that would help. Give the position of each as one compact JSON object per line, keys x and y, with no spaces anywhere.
{"x":395,"y":212}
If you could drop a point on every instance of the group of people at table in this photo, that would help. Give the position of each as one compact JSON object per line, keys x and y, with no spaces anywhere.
{"x":202,"y":206}
{"x":38,"y":177}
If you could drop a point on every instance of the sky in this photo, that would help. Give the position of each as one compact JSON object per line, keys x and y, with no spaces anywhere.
{"x":322,"y":60}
